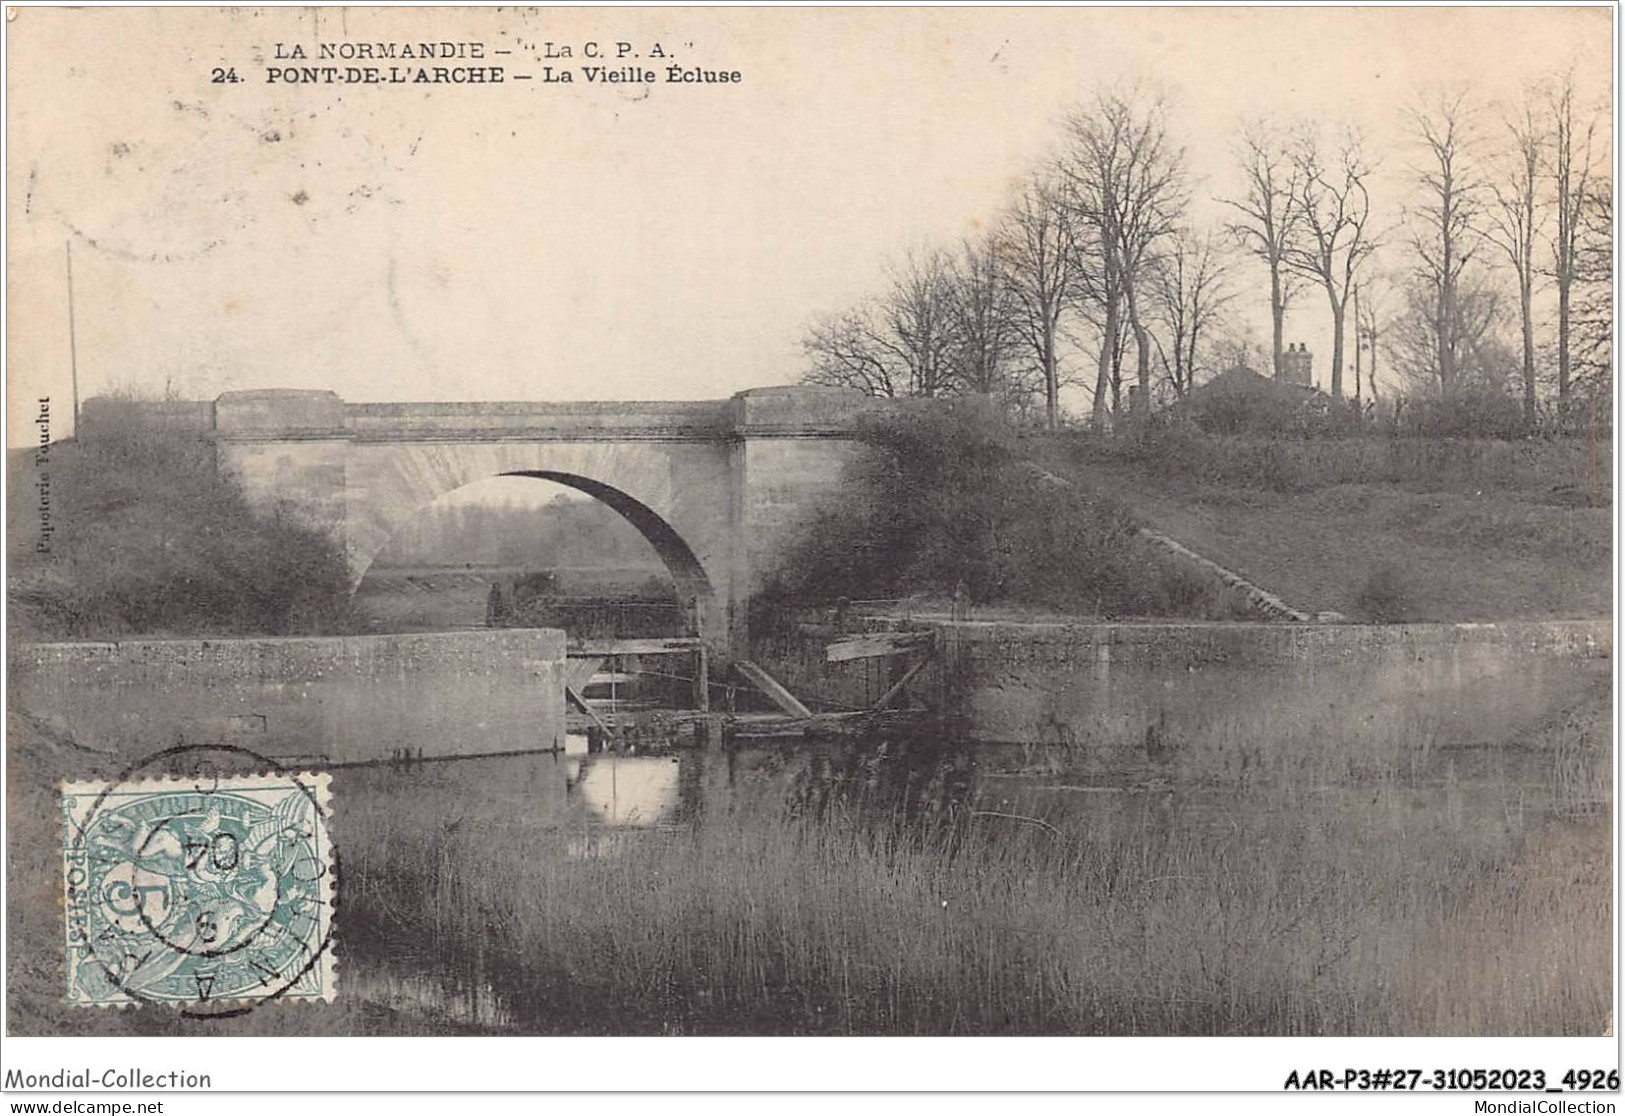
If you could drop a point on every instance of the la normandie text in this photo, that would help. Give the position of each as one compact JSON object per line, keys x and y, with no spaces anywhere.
{"x":467,"y":63}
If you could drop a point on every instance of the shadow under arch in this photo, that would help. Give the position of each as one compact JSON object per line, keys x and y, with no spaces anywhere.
{"x":694,"y":589}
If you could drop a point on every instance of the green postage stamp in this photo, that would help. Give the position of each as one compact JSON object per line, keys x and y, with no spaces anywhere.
{"x":213,"y":893}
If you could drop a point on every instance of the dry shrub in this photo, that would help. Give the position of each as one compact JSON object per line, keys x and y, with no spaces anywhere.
{"x":151,"y":539}
{"x":948,"y":501}
{"x":1582,"y":762}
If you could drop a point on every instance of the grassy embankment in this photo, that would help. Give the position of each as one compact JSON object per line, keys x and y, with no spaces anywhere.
{"x":146,"y":537}
{"x":1377,"y":528}
{"x":947,"y":502}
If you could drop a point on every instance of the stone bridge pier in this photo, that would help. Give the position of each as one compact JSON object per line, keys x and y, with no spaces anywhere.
{"x":721,"y":489}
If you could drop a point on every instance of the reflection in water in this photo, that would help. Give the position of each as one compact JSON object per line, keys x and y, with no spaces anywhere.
{"x":629,"y":790}
{"x":917,"y":778}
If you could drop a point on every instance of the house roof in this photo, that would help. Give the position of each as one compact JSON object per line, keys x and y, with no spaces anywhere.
{"x":1243,"y":381}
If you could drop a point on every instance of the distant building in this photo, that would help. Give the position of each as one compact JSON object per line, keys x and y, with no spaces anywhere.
{"x":1240,"y":401}
{"x":1297,"y":366}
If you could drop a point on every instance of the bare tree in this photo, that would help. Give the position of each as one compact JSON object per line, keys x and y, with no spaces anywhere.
{"x":1098,"y":306}
{"x":1042,"y":264}
{"x":1125,"y":180}
{"x":1236,"y":347}
{"x":1090,"y":175}
{"x":1444,"y":237}
{"x":844,"y":350}
{"x":902,"y":344}
{"x":919,"y":315}
{"x":1476,"y":315}
{"x":1359,"y":347}
{"x":1592,"y":329}
{"x":1513,"y":221}
{"x":1371,"y":316}
{"x":1334,"y":204}
{"x":1189,"y":291}
{"x":1269,"y":217}
{"x":1572,"y":164}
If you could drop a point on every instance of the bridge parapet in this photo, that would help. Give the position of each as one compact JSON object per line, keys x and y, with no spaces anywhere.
{"x":286,"y":414}
{"x":172,"y":416}
{"x":798,"y":411}
{"x":705,"y":420}
{"x":279,"y":415}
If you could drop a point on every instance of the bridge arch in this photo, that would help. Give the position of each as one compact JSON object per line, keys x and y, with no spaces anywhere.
{"x":674,"y":496}
{"x":694,"y":589}
{"x":719,"y":487}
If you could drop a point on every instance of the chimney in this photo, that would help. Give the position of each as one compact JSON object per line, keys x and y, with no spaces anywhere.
{"x":1297,"y":365}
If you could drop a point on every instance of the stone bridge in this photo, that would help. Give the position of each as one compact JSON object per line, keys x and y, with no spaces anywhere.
{"x":719,"y":488}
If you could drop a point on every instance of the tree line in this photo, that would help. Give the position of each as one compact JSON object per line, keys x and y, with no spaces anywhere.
{"x":563,"y":532}
{"x":1485,"y":271}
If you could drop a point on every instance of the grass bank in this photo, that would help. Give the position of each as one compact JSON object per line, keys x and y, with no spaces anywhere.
{"x":1377,"y":528}
{"x":134,"y":531}
{"x":1351,"y":918}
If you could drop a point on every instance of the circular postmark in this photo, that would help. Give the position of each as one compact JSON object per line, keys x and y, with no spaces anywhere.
{"x":203,"y":888}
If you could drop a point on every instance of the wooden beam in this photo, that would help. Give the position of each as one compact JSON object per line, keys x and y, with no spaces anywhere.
{"x":764,"y":682}
{"x":573,"y":696}
{"x":702,"y":681}
{"x":579,"y":672}
{"x":897,"y":688}
{"x":874,"y":645}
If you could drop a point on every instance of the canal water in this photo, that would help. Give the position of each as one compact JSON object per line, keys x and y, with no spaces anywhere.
{"x":598,"y":807}
{"x":615,"y":803}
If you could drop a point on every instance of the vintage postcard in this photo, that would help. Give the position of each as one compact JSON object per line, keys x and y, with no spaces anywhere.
{"x":1086,"y":523}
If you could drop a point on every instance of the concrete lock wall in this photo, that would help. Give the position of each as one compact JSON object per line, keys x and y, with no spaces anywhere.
{"x":341,"y":698}
{"x":1107,"y":683}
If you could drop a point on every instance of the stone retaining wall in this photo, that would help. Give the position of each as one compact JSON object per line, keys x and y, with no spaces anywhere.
{"x":337,"y":698}
{"x":1050,"y":682}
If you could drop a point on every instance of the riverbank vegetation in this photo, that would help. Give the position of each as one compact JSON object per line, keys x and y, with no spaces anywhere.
{"x":956,"y":502}
{"x":1339,"y":913}
{"x":1250,"y":881}
{"x":948,"y":504}
{"x":145,"y":537}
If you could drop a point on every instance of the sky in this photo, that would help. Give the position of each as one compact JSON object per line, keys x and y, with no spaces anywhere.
{"x":536,"y":240}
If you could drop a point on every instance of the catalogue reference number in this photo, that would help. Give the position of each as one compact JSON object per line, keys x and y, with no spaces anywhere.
{"x":1518,"y":1080}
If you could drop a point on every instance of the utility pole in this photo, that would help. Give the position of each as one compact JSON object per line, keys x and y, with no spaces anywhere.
{"x":73,"y":344}
{"x":1357,"y":343}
